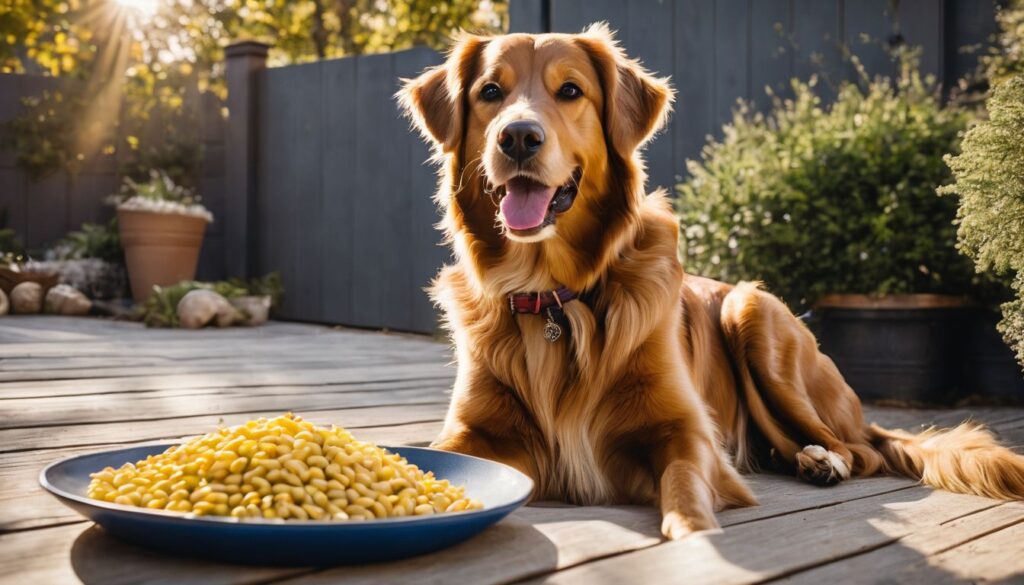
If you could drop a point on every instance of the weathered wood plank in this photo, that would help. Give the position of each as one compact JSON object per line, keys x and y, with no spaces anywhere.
{"x":338,"y":170}
{"x":921,"y":24}
{"x":993,"y":558}
{"x":693,"y":70}
{"x":427,"y":253}
{"x":109,"y":408}
{"x":649,"y":24}
{"x":731,"y":49}
{"x":868,"y":26}
{"x":139,"y":430}
{"x":907,"y":560}
{"x":374,"y":74}
{"x":83,"y":553}
{"x":413,"y":370}
{"x":527,"y":16}
{"x":771,"y":51}
{"x":779,"y":546}
{"x":816,"y":31}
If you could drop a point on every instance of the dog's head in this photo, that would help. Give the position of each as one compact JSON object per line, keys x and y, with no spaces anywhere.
{"x":551,"y":123}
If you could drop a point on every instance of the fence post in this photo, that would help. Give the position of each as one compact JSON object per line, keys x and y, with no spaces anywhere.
{"x":242,"y":61}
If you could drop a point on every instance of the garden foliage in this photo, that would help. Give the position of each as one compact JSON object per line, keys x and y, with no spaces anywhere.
{"x":814,"y":200}
{"x":989,"y":179}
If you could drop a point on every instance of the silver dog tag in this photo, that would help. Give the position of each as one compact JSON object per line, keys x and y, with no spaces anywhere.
{"x":552,"y":330}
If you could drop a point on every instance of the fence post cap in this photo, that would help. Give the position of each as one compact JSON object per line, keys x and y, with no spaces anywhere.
{"x":246,"y":48}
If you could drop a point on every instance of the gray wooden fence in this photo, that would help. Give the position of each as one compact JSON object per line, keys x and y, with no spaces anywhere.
{"x":331,"y":188}
{"x":343,"y":193}
{"x":718,"y":51}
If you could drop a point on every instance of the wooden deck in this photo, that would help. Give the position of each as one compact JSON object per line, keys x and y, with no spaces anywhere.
{"x":72,"y":386}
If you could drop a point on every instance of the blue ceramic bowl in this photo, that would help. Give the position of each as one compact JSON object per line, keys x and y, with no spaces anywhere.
{"x":296,"y":543}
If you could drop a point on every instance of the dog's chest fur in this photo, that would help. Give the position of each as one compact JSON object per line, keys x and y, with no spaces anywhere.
{"x":564,"y":410}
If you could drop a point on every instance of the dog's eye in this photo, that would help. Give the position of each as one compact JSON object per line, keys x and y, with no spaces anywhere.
{"x":569,"y":91}
{"x":491,"y":92}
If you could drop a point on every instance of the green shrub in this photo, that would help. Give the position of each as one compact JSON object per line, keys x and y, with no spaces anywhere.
{"x":93,"y":241}
{"x":814,"y":200}
{"x":1006,"y":58}
{"x":989,"y":178}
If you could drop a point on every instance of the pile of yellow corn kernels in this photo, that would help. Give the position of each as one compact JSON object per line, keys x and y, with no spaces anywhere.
{"x":283,"y":468}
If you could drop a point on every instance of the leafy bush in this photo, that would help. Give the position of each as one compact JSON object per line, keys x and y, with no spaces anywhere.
{"x":815,"y":200}
{"x":92,"y":241}
{"x":989,"y":178}
{"x":1006,"y":59}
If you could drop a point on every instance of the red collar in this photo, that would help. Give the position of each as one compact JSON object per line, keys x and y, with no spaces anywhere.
{"x":535,"y":302}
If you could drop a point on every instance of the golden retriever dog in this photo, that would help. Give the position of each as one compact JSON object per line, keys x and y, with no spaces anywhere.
{"x":587,"y":358}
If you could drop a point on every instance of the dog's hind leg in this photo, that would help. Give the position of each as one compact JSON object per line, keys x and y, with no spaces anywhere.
{"x":795,"y":395}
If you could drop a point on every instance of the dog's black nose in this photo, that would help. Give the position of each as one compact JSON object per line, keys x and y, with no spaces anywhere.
{"x":520,"y":140}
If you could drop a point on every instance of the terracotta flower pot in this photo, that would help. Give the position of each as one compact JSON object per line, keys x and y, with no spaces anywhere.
{"x":160,"y":249}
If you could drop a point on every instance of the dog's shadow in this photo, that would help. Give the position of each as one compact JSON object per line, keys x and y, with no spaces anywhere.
{"x":777,"y":541}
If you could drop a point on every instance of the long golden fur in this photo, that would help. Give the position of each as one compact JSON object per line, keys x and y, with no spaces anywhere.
{"x":669,"y":384}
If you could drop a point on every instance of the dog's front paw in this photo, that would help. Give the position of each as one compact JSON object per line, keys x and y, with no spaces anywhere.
{"x":676,"y":526}
{"x":819,"y":466}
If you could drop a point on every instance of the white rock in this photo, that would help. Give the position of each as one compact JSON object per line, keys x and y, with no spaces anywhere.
{"x":5,"y":305}
{"x":256,"y":309}
{"x":27,"y":298}
{"x":65,"y":299}
{"x":199,"y":307}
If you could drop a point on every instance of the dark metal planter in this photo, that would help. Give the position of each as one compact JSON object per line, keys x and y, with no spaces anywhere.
{"x":923,"y":349}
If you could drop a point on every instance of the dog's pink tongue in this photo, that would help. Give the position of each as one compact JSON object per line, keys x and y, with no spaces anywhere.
{"x":526,"y":203}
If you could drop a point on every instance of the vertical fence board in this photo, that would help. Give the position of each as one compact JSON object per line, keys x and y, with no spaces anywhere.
{"x":968,"y":25}
{"x":374,"y":167}
{"x":13,"y":207}
{"x":338,"y":172}
{"x":306,"y":227}
{"x":425,"y":249}
{"x":868,"y":26}
{"x":771,"y":50}
{"x":816,"y":28}
{"x":921,"y":25}
{"x":693,"y":71}
{"x":276,"y":240}
{"x":731,"y":64}
{"x":394,"y":257}
{"x":649,"y":37}
{"x":527,"y":16}
{"x":47,"y":209}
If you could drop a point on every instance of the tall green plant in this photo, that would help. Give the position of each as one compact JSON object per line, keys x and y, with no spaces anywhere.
{"x":814,"y":199}
{"x":989,"y":179}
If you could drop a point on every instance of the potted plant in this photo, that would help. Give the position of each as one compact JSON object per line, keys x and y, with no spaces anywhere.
{"x":834,"y":208}
{"x":162,"y":226}
{"x":990,"y":186}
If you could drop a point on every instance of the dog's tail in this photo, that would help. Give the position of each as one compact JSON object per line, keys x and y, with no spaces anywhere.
{"x":966,"y":460}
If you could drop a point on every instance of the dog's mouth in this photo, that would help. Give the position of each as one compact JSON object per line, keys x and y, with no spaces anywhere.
{"x":528,"y":206}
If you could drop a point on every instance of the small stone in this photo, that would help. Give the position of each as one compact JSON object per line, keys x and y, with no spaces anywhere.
{"x":256,"y":309}
{"x":5,"y":305}
{"x":199,"y":307}
{"x":65,"y":299}
{"x":27,"y":298}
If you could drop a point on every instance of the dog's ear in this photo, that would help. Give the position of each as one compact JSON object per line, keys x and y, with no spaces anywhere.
{"x":435,"y":100}
{"x":636,"y":104}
